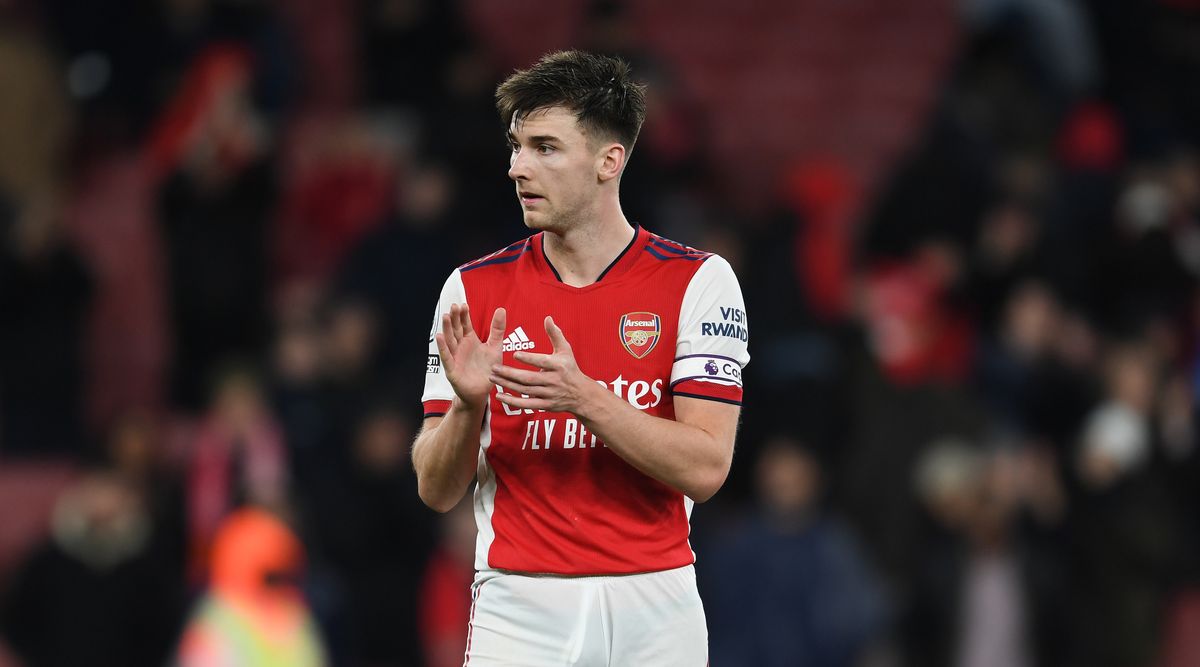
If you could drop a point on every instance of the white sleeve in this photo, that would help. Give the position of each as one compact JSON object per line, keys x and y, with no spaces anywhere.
{"x":711,"y":348}
{"x":438,"y":392}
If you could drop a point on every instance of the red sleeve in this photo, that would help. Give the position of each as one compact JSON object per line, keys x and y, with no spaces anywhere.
{"x":435,"y":408}
{"x":709,"y":391}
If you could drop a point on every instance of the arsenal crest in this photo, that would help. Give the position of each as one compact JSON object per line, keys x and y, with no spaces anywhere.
{"x":640,"y":332}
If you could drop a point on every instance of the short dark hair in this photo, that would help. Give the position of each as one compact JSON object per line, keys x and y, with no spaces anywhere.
{"x":598,"y":89}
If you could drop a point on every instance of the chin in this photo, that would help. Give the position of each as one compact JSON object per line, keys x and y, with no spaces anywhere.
{"x":537,"y":222}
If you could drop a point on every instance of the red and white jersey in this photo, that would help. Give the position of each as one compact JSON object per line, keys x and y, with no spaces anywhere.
{"x":663,"y":320}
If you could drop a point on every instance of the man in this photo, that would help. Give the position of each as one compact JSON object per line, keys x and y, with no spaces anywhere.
{"x":597,"y":403}
{"x":253,"y":612}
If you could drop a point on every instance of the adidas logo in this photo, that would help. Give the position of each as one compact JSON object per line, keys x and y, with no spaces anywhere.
{"x":517,"y":340}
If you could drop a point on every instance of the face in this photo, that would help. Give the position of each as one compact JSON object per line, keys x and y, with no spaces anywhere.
{"x":788,"y":479}
{"x":555,"y":168}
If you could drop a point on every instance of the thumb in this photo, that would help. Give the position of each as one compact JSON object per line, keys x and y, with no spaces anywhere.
{"x":497,"y":332}
{"x":557,"y":339}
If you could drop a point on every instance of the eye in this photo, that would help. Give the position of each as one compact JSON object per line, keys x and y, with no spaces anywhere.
{"x":545,"y":149}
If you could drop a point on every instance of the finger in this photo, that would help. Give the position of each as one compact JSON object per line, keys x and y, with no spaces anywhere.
{"x":526,"y":403}
{"x":444,"y":353}
{"x":447,"y":334}
{"x":496,"y":335}
{"x":525,"y":377}
{"x":557,"y":340}
{"x":534,"y":359}
{"x":465,"y":315}
{"x":516,"y":388}
{"x":456,"y":321}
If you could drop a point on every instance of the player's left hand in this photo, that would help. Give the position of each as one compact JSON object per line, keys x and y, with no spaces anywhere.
{"x":557,"y":386}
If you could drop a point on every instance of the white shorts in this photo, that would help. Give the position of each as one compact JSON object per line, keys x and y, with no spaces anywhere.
{"x":654,"y":619}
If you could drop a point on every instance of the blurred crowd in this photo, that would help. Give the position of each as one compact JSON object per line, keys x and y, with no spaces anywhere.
{"x":970,"y":432}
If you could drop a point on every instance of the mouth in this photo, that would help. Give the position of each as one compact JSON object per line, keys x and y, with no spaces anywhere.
{"x":529,"y":198}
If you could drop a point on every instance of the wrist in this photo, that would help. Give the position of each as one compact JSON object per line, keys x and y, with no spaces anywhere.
{"x":592,"y":395}
{"x":459,"y":404}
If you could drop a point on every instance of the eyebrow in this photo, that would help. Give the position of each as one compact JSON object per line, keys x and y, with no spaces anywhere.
{"x":537,"y":139}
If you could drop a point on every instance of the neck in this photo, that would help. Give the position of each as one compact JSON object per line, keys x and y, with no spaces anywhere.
{"x":580,"y":254}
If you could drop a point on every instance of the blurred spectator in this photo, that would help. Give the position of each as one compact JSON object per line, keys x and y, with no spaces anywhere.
{"x":1116,"y":436}
{"x":297,"y":381}
{"x":445,"y":605}
{"x":889,"y":429}
{"x":1004,"y":256}
{"x":338,"y":186}
{"x":790,"y":586}
{"x":372,"y":529}
{"x":95,"y":594}
{"x":325,"y":377}
{"x":394,"y":266}
{"x":237,"y":457}
{"x":351,"y":336}
{"x":1177,"y":432}
{"x":1026,"y":327}
{"x":823,"y":193}
{"x":1142,"y":272}
{"x":984,"y":595}
{"x":253,"y":612}
{"x":349,"y":352}
{"x":465,"y":142}
{"x":45,"y":294}
{"x":136,"y":451}
{"x":805,"y":376}
{"x":1024,"y":373}
{"x":1176,"y":418}
{"x":1090,"y":152}
{"x":1125,"y":539}
{"x":212,"y":147}
{"x":916,"y":325}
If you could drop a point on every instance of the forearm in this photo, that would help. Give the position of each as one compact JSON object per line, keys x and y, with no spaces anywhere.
{"x":682,"y":456}
{"x":445,"y":455}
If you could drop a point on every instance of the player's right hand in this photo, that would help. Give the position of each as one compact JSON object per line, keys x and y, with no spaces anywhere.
{"x":466,"y":359}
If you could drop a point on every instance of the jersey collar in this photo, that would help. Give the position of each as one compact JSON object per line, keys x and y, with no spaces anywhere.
{"x":620,"y":264}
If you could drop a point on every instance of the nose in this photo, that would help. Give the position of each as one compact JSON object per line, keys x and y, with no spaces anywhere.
{"x":518,"y":166}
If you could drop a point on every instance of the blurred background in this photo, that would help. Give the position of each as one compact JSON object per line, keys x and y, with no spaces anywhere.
{"x":968,"y":234}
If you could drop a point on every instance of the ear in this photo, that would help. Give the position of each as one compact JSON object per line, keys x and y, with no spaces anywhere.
{"x":611,"y":162}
